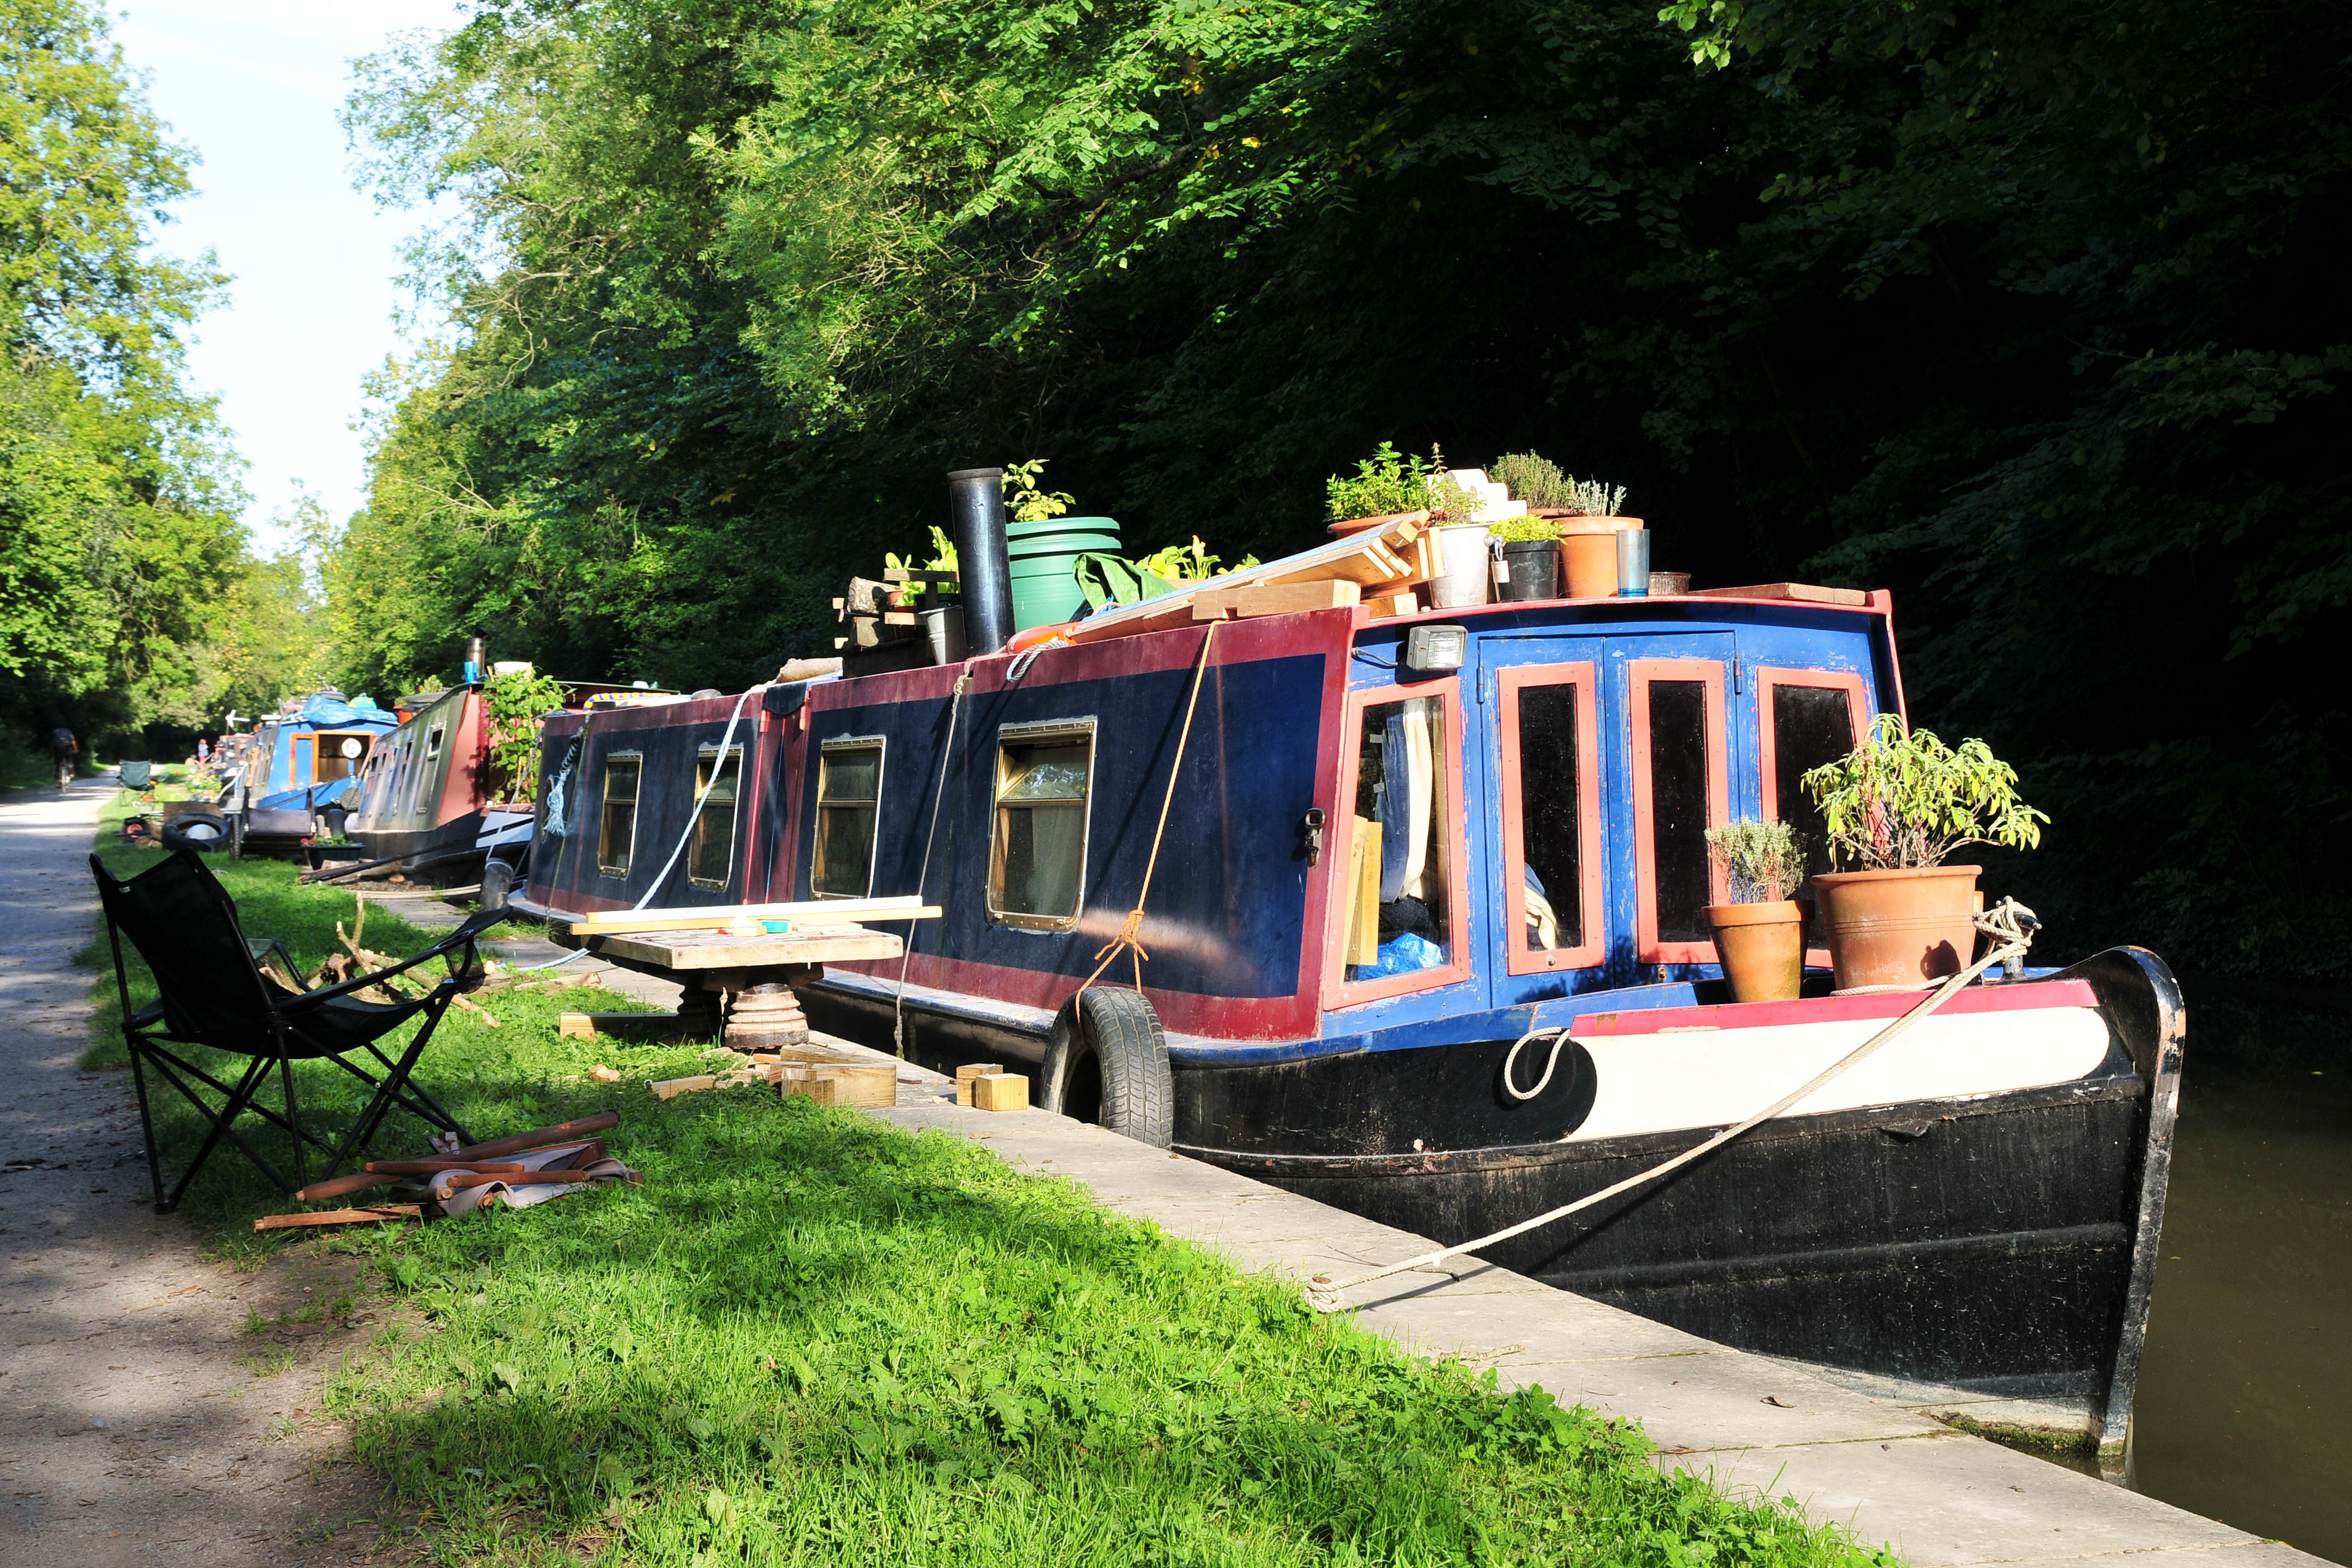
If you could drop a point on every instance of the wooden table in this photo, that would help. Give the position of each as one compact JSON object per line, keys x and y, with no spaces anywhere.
{"x":760,"y":971}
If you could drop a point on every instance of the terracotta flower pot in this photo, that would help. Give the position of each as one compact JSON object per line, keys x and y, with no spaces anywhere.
{"x":1898,"y":928}
{"x":1588,"y":555}
{"x":1762,"y":947}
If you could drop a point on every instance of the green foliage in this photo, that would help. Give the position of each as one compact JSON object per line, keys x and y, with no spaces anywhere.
{"x":1903,"y":799}
{"x":1533,"y":479}
{"x":1386,"y":482}
{"x":1523,"y":530}
{"x":1025,"y":500}
{"x":115,"y":499}
{"x":1593,"y":497}
{"x":515,"y":702}
{"x":1107,"y":578}
{"x":1762,"y":860}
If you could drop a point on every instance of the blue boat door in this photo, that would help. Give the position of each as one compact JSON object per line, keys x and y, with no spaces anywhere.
{"x":1611,"y":756}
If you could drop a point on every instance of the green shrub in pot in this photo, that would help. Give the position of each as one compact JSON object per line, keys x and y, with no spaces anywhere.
{"x":1759,"y":936}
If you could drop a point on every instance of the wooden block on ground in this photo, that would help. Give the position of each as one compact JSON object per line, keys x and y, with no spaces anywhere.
{"x":671,"y":1088}
{"x":861,"y":1085}
{"x":1001,"y":1091}
{"x":819,"y":1090}
{"x":576,"y":1027}
{"x":971,"y":1070}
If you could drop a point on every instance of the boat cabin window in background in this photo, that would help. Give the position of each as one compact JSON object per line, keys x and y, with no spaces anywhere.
{"x":1680,"y":790}
{"x":1805,"y":719}
{"x":1037,"y":856}
{"x":711,"y":856}
{"x":1403,"y":917}
{"x":339,"y":757}
{"x":617,"y":834}
{"x":848,"y":807}
{"x":304,"y":746}
{"x":426,"y":772}
{"x":1551,"y":816}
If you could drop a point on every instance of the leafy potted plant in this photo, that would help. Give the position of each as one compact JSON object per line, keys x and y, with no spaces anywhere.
{"x":1895,"y":807}
{"x":1759,"y":936}
{"x":1530,"y":548}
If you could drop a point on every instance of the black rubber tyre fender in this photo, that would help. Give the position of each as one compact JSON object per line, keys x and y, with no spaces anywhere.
{"x":206,"y":831}
{"x":1106,"y":1062}
{"x":497,"y":884}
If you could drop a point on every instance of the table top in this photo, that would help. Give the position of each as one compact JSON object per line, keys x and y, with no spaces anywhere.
{"x":717,"y":950}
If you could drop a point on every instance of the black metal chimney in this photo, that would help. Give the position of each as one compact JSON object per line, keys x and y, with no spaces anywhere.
{"x":976,"y":506}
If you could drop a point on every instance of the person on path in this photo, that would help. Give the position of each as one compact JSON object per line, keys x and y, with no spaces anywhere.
{"x":65,"y":749}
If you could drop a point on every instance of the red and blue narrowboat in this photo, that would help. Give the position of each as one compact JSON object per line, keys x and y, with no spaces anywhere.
{"x":1966,"y":1221}
{"x":299,"y":776}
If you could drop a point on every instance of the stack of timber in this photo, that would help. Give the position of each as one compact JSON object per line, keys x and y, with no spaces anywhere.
{"x":720,"y":917}
{"x":1379,"y":566}
{"x":884,"y":619}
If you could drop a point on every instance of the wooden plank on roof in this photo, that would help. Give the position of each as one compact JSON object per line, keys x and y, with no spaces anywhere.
{"x":1804,"y":592}
{"x":1276,"y":599}
{"x":1349,"y":559}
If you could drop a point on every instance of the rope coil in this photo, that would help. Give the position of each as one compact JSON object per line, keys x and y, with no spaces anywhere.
{"x":2010,"y":925}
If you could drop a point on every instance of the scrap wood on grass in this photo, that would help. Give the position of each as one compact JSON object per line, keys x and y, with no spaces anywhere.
{"x":816,"y":1339}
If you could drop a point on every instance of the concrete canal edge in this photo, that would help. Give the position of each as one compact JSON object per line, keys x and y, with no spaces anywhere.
{"x":1748,"y":1423}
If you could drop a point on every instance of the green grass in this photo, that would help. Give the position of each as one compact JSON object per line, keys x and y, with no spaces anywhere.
{"x":812,"y":1338}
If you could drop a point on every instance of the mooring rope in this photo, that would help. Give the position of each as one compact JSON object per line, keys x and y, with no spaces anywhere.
{"x":1131,"y":929}
{"x":939,"y":793}
{"x":2010,"y":925}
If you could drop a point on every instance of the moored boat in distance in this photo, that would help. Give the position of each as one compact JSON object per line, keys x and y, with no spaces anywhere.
{"x":297,"y":776}
{"x":1397,"y":848}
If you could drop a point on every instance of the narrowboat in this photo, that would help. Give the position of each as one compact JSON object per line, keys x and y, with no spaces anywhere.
{"x":1968,"y":1219}
{"x":299,"y":776}
{"x":432,"y":795}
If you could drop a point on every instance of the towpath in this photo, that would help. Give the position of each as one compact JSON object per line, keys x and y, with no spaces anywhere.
{"x":140,"y":1422}
{"x":1941,"y":1498}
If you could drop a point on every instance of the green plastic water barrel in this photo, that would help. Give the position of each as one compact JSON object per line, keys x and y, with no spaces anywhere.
{"x":1044,"y":588}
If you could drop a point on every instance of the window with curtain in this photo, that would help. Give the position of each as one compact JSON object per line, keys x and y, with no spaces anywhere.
{"x":711,"y":854}
{"x":848,"y":816}
{"x":1400,"y":861}
{"x":1037,"y":859}
{"x":617,"y":834}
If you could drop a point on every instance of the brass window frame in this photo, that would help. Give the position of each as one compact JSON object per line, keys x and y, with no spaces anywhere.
{"x":709,"y":753}
{"x":604,"y":866}
{"x":1032,"y":733}
{"x":876,"y":743}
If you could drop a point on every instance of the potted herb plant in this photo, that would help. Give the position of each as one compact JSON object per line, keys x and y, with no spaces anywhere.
{"x":1894,"y":807}
{"x":1588,"y":538}
{"x":1530,"y":547}
{"x":1759,"y":936}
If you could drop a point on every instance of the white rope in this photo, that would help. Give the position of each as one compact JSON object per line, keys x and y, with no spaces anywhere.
{"x":939,"y":793}
{"x":2011,"y":924}
{"x":1511,"y":1085}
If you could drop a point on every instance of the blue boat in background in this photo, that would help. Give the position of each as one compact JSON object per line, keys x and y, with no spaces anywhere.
{"x":301,"y":774}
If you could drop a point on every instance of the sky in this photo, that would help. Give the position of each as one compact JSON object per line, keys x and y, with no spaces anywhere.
{"x":253,"y":87}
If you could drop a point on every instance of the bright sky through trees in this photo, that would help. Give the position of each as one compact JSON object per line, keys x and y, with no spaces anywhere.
{"x":253,"y":87}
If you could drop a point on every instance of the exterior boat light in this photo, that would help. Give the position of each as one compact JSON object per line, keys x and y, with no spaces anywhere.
{"x":1434,"y":650}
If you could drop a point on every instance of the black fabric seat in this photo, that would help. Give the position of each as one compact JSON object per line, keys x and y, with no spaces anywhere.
{"x":219,"y":990}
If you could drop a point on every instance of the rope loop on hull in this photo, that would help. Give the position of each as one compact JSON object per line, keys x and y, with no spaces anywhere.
{"x":2010,"y":924}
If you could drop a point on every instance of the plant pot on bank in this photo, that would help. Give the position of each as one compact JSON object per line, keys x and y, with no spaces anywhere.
{"x":1905,"y":927}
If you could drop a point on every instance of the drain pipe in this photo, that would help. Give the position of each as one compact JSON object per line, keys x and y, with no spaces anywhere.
{"x":976,"y":508}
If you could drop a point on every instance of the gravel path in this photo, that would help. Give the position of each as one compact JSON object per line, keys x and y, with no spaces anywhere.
{"x":141,"y":1423}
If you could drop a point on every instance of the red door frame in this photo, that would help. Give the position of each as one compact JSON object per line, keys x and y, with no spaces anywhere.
{"x":1639,"y":675}
{"x":1338,"y":990}
{"x":1509,"y":681}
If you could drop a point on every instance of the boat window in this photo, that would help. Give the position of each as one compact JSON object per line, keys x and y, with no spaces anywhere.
{"x":303,"y":747}
{"x":1400,"y":913}
{"x":618,"y":834}
{"x":1680,"y":790}
{"x":339,"y":757}
{"x":711,"y":856}
{"x":848,"y":802}
{"x":1809,"y":725}
{"x":1037,"y":859}
{"x":1551,"y":816}
{"x":428,"y":777}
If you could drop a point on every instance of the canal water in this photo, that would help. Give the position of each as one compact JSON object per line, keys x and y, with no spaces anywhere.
{"x":2245,"y":1411}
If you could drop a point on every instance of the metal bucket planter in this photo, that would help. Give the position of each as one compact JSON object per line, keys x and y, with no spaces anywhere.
{"x":1467,"y":572}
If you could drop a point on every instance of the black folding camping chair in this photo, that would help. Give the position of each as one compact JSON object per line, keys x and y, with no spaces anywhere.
{"x":245,"y":998}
